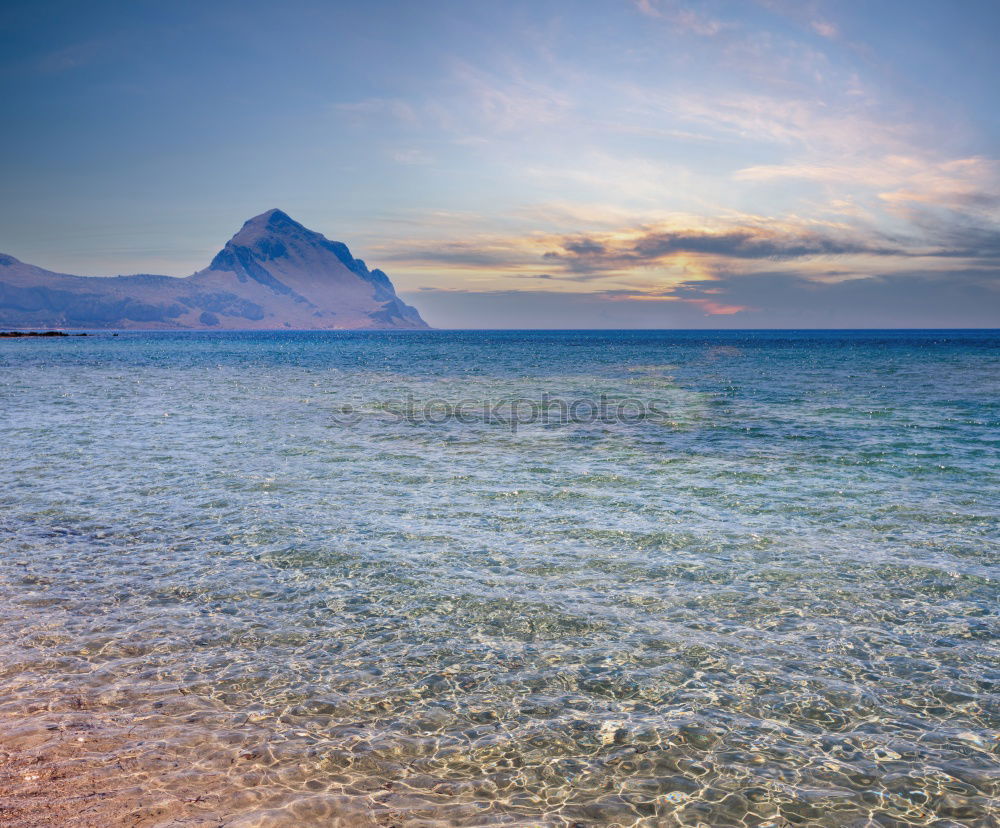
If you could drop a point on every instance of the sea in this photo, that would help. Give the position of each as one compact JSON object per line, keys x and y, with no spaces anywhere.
{"x":531,"y":578}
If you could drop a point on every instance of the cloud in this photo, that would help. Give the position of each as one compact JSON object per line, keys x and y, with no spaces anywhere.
{"x":911,"y":299}
{"x":410,"y":156}
{"x":511,"y":101}
{"x":648,"y":261}
{"x":680,"y":17}
{"x":653,"y":246}
{"x":633,"y":247}
{"x":969,"y":298}
{"x":958,"y":183}
{"x":950,"y":207}
{"x":806,"y":13}
{"x":473,"y":105}
{"x":962,"y":238}
{"x":483,"y":254}
{"x":824,"y":28}
{"x":845,"y":128}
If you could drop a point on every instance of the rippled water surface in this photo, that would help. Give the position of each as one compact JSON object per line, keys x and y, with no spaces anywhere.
{"x":776,"y":605}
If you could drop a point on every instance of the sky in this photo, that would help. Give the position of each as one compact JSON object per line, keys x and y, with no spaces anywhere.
{"x":528,"y":163}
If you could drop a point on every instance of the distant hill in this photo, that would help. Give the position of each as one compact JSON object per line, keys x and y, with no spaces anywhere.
{"x":274,"y":273}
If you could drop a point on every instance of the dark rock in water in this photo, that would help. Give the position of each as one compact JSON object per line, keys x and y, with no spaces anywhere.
{"x":274,"y":273}
{"x":12,"y":334}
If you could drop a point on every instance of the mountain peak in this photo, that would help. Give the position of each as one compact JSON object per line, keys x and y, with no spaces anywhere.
{"x":274,"y":212}
{"x":273,"y":220}
{"x":271,"y":233}
{"x":288,"y":258}
{"x":275,"y":234}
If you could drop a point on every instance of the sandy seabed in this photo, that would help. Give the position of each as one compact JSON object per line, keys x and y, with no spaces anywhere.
{"x":91,"y":769}
{"x":87,"y":766}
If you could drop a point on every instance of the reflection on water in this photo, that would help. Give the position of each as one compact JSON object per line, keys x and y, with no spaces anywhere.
{"x":778,"y":607}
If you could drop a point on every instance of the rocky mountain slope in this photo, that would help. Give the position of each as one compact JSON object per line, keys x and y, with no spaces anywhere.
{"x":274,"y":273}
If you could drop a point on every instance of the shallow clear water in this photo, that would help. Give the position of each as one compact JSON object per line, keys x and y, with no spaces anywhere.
{"x":778,"y":604}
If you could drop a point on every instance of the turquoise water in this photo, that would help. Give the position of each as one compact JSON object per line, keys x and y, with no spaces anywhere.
{"x":775,"y":604}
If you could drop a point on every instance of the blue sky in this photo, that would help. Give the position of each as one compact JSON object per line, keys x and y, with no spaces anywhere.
{"x":621,"y":163}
